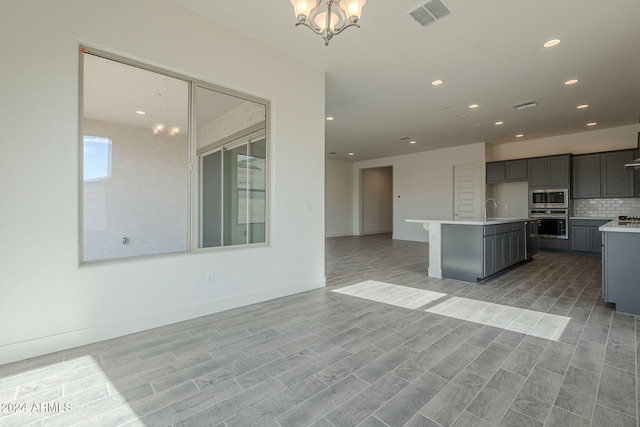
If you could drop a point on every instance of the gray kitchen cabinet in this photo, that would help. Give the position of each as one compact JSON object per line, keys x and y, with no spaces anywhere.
{"x":580,"y":238}
{"x":507,"y":171}
{"x":516,"y":170}
{"x":504,"y":247}
{"x":496,"y":172}
{"x":586,"y":176}
{"x":603,"y":175}
{"x":475,"y":252}
{"x":585,"y":235}
{"x":550,"y":172}
{"x":489,"y":262}
{"x":620,"y":283}
{"x":616,"y":181}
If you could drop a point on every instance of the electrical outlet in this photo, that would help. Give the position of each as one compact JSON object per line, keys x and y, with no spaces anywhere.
{"x":211,"y":279}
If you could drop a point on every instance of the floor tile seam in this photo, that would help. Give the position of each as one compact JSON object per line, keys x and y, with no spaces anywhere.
{"x":515,"y":395}
{"x":63,"y":373}
{"x":368,"y":386}
{"x":616,"y":411}
{"x":593,"y":406}
{"x":527,"y":416}
{"x":589,"y":420}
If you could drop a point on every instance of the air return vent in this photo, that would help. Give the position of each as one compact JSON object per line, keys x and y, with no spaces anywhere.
{"x":430,"y":12}
{"x":526,"y":104}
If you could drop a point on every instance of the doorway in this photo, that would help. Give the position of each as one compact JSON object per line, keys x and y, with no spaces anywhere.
{"x":376,"y":203}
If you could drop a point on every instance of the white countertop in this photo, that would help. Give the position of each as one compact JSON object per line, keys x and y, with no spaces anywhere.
{"x":615,"y":226}
{"x":591,"y":217}
{"x":479,"y":221}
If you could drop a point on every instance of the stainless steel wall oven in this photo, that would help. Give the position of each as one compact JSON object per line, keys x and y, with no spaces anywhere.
{"x":552,"y":223}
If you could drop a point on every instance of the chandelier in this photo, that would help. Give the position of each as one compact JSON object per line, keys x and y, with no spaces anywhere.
{"x":328,"y":17}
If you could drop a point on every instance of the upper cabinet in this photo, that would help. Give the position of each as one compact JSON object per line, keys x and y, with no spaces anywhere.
{"x":603,"y":175}
{"x":550,"y":172}
{"x":507,"y":171}
{"x":586,"y":176}
{"x":616,"y":180}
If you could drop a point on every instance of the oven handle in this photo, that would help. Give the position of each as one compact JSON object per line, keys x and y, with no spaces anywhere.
{"x":548,"y":217}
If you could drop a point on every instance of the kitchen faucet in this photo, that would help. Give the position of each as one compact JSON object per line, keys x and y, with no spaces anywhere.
{"x":485,"y":207}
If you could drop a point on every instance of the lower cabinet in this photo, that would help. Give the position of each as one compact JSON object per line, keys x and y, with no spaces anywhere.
{"x":585,"y":236}
{"x":475,"y":252}
{"x":503,"y":248}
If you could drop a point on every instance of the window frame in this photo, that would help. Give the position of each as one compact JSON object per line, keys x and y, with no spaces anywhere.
{"x":194,"y":181}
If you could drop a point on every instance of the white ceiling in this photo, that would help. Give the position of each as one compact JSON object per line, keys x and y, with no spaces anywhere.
{"x":113,"y":92}
{"x":487,"y":52}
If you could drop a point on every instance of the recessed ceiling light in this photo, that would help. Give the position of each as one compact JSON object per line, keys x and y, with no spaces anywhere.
{"x":571,"y":82}
{"x":412,"y":142}
{"x":330,"y":118}
{"x":142,"y":113}
{"x":552,"y":43}
{"x":332,"y":152}
{"x":592,"y":123}
{"x":444,"y":107}
{"x":472,"y":106}
{"x":351,"y":154}
{"x":498,"y":123}
{"x":520,"y":135}
{"x":464,"y":116}
{"x":437,"y":82}
{"x":582,"y":106}
{"x":477,"y":125}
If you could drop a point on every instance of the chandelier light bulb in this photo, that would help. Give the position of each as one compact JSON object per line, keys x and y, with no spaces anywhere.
{"x":158,"y":128}
{"x":328,"y":17}
{"x":321,"y":21}
{"x":302,"y":8}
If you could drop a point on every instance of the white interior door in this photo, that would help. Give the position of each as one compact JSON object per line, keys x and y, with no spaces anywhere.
{"x":466,"y":192}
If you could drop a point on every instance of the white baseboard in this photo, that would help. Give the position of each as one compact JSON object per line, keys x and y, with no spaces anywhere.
{"x":339,"y":234}
{"x":366,"y":233}
{"x":45,"y":345}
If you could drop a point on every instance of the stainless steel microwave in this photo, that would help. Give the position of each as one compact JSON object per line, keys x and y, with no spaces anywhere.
{"x":549,"y":199}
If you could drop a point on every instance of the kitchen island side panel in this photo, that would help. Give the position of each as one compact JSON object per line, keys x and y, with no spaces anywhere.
{"x":462,"y":252}
{"x":621,"y":285}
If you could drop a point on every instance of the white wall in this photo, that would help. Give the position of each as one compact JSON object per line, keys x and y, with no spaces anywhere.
{"x":422,"y":186}
{"x":617,"y":138}
{"x":338,"y":198}
{"x":144,"y":200}
{"x":377,"y":200}
{"x":512,"y":199}
{"x":48,"y":302}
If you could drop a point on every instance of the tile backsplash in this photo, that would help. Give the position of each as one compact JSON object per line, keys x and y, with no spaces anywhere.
{"x":606,"y":208}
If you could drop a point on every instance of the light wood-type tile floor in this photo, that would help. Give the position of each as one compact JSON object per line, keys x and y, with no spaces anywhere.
{"x":382,"y":345}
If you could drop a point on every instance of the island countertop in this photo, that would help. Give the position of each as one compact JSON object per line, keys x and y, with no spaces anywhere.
{"x":616,"y":227}
{"x":479,"y":221}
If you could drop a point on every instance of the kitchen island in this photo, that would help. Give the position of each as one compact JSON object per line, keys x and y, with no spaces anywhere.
{"x":472,"y":250}
{"x":620,"y":249}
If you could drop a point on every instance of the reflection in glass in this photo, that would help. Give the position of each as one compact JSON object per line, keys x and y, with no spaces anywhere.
{"x":142,"y":208}
{"x":231,"y":148}
{"x":97,"y":158}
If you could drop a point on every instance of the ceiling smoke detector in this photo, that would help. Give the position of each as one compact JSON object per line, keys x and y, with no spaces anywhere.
{"x":430,"y":12}
{"x":526,"y":104}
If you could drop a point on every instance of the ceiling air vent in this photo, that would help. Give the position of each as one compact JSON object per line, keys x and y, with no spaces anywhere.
{"x":430,"y":12}
{"x":526,"y":104}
